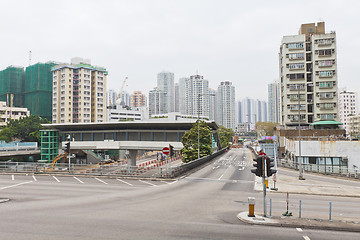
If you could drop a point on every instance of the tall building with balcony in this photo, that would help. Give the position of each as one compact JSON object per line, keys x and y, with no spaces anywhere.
{"x":348,"y":106}
{"x":157,"y":102}
{"x":165,"y":83}
{"x":137,"y":99}
{"x":273,"y":102}
{"x":197,"y":96}
{"x":183,"y":83}
{"x":12,"y":82}
{"x":308,"y":76}
{"x":225,"y":114}
{"x":79,"y":92}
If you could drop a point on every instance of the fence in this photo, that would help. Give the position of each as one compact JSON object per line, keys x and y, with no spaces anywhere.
{"x":316,"y":168}
{"x":18,"y":146}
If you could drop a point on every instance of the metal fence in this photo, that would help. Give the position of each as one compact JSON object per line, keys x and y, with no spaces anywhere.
{"x":316,"y":168}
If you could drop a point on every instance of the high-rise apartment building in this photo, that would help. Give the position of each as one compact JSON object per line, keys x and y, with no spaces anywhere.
{"x":38,"y":89}
{"x":273,"y":102}
{"x":183,"y":83}
{"x":177,"y":108}
{"x":348,"y":106}
{"x":252,"y":111}
{"x":137,"y":99}
{"x":197,"y":96}
{"x":12,"y":82}
{"x":225,"y":114}
{"x":111,"y":96}
{"x":165,"y":83}
{"x":308,"y":76}
{"x":212,"y":104}
{"x":157,"y":102}
{"x":79,"y":92}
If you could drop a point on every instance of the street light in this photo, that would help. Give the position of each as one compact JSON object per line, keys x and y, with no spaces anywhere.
{"x":200,"y":94}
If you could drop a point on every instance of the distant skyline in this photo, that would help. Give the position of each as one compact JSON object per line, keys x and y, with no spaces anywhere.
{"x":233,"y":41}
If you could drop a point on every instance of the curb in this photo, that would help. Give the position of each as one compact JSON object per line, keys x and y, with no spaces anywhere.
{"x":299,"y":223}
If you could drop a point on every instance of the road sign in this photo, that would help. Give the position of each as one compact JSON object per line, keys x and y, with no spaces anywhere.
{"x":166,"y":150}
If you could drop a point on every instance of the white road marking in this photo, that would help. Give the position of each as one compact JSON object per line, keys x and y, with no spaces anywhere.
{"x":12,"y":177}
{"x":56,"y":179}
{"x":78,"y":180}
{"x":148,"y":183}
{"x":124,"y":182}
{"x":15,"y":185}
{"x":306,"y":238}
{"x":165,"y":182}
{"x":220,"y":177}
{"x":101,"y":181}
{"x":241,"y":168}
{"x":173,"y":182}
{"x":299,"y":229}
{"x":34,"y":178}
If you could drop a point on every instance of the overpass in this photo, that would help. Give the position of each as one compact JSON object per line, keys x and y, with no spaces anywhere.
{"x":131,"y":136}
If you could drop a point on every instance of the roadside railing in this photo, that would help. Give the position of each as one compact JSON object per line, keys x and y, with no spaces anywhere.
{"x":323,"y":169}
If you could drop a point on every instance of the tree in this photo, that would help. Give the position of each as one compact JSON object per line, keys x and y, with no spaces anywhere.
{"x":225,"y":136}
{"x":26,"y":129}
{"x":265,"y":128}
{"x":190,"y":142}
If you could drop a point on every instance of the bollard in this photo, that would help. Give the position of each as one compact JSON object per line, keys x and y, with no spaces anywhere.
{"x":270,"y":206}
{"x":251,"y":201}
{"x":299,"y":208}
{"x":330,"y":211}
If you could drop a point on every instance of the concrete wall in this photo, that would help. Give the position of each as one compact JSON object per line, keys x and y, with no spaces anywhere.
{"x":345,"y":149}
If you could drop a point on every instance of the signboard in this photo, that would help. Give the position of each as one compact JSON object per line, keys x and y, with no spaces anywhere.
{"x":166,"y":150}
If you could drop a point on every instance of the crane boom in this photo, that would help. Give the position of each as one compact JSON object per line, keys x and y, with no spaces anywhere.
{"x":121,"y":89}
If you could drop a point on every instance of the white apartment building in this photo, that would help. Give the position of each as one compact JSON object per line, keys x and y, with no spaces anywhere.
{"x":197,"y":96}
{"x":252,"y":111}
{"x":14,"y":113}
{"x":157,"y":102}
{"x":111,"y":96}
{"x":225,"y":114}
{"x":348,"y":106}
{"x":274,"y":102}
{"x":308,"y":76}
{"x":79,"y":92}
{"x":165,"y":83}
{"x":118,"y":114}
{"x":183,"y":83}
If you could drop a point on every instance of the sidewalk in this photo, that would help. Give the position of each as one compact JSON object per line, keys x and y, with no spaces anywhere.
{"x":291,"y":184}
{"x":296,"y":222}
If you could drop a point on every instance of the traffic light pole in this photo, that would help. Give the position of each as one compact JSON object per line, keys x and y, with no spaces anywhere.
{"x":264,"y":186}
{"x":69,"y":159}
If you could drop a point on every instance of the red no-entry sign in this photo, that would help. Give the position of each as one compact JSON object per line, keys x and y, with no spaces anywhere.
{"x":166,"y":150}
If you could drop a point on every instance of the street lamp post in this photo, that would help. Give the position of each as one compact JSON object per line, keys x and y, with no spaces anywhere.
{"x":301,"y":174}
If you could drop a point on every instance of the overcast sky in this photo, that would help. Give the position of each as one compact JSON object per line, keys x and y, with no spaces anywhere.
{"x":235,"y":41}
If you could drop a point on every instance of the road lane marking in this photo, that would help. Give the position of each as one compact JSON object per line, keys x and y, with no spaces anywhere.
{"x":15,"y":185}
{"x":173,"y":182}
{"x":165,"y":182}
{"x":124,"y":182}
{"x":101,"y":181}
{"x":148,"y":183}
{"x":220,"y":177}
{"x":241,"y":168}
{"x":306,"y":238}
{"x":12,"y":177}
{"x":299,"y":229}
{"x":34,"y":178}
{"x":56,"y":179}
{"x":78,"y":180}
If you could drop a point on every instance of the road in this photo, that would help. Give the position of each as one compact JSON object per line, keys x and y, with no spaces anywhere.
{"x":202,"y":205}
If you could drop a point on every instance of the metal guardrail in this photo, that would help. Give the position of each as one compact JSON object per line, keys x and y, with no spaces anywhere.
{"x":328,"y":170}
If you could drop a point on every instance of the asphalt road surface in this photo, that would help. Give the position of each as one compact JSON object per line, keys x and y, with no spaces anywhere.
{"x":202,"y":205}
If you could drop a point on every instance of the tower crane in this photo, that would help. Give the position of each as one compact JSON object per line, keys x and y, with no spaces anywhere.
{"x":121,"y":89}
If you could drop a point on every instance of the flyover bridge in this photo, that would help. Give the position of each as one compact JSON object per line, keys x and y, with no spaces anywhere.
{"x":131,"y":136}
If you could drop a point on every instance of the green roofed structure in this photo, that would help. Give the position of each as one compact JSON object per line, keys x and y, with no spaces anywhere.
{"x":12,"y":81}
{"x":326,"y":124}
{"x":38,"y":89}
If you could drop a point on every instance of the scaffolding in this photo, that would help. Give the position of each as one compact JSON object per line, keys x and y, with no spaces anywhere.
{"x":50,"y":143}
{"x":12,"y":81}
{"x":38,"y":89}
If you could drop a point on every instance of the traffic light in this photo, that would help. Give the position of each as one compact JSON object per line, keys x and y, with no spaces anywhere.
{"x":67,"y":147}
{"x":258,"y":171}
{"x":171,"y":150}
{"x":269,"y":166}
